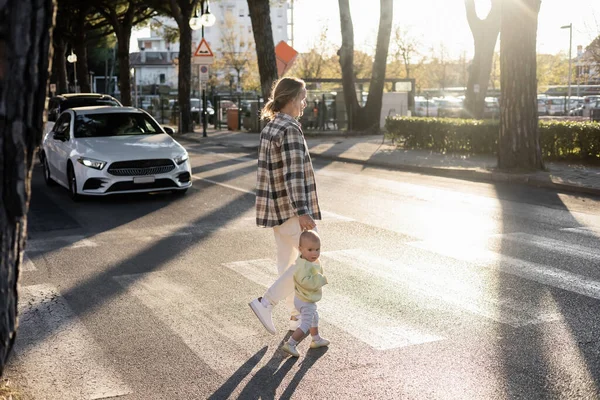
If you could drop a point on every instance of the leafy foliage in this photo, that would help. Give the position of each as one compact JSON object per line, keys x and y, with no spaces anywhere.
{"x":568,"y":140}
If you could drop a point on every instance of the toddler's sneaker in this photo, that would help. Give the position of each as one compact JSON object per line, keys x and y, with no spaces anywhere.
{"x":319,"y":343}
{"x":291,"y":350}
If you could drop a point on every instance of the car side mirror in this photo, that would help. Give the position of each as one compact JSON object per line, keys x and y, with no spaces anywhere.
{"x":52,"y":115}
{"x":59,"y":136}
{"x":168,"y":130}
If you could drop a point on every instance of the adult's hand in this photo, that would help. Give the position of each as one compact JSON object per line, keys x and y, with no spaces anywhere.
{"x":306,"y":222}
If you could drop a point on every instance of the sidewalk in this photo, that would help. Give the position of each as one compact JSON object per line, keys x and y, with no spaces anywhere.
{"x":373,"y":150}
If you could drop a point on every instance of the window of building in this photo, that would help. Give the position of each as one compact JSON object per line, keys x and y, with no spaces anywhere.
{"x":249,"y":28}
{"x":162,"y":78}
{"x":242,"y":12}
{"x":147,"y":44}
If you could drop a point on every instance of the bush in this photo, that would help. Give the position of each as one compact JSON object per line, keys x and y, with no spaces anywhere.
{"x":558,"y":139}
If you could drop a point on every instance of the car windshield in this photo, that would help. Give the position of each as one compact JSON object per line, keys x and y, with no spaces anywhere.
{"x":88,"y":102}
{"x":114,"y":124}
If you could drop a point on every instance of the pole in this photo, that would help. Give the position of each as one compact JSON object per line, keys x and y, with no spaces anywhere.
{"x":204,"y":119}
{"x":75,"y":75}
{"x":570,"y":45}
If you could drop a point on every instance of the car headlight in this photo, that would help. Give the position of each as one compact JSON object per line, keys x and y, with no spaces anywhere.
{"x":90,"y":162}
{"x":181,"y":159}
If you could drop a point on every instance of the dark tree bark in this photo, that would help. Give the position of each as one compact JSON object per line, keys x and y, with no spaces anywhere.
{"x":485,"y":35}
{"x":59,"y":65}
{"x":519,"y":144}
{"x":182,"y":11}
{"x":25,"y":37}
{"x":80,"y":49}
{"x":367,"y":117}
{"x":260,"y":15}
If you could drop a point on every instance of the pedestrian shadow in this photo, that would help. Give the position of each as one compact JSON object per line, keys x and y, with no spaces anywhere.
{"x":307,"y":363}
{"x":227,"y":388}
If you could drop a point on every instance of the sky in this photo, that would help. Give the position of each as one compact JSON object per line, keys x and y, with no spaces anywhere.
{"x":433,"y":22}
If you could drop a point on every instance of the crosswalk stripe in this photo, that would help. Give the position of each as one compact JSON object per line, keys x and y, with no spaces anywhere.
{"x":554,"y":245}
{"x":337,"y":309}
{"x":162,"y":295}
{"x":543,"y":274}
{"x":69,"y":361}
{"x":591,"y":231}
{"x":27,"y":264}
{"x":63,"y":242}
{"x":444,"y":284}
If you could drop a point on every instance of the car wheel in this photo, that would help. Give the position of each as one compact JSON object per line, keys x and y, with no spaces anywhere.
{"x":72,"y":184}
{"x":179,"y":192}
{"x":47,"y":176}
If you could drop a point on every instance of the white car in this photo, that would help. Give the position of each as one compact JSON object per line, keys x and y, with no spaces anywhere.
{"x":99,"y":151}
{"x":425,"y":107}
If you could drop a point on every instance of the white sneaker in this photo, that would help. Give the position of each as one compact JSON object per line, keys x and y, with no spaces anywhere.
{"x":294,"y":324}
{"x":319,"y":343}
{"x":291,"y":350}
{"x":264,"y":314}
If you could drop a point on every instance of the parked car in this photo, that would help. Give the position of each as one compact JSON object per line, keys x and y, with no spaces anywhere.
{"x":555,"y":105}
{"x":60,"y":103}
{"x":103,"y":150}
{"x":425,"y":107}
{"x":450,"y":107}
{"x":589,"y":103}
{"x":541,"y":104}
{"x":196,"y":108}
{"x":491,"y":107}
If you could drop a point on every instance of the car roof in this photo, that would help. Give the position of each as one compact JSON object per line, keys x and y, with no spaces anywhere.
{"x":73,"y":95}
{"x":104,"y":110}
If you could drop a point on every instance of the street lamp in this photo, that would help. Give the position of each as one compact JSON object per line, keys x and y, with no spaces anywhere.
{"x":197,"y":22}
{"x":570,"y":28}
{"x":72,"y":58}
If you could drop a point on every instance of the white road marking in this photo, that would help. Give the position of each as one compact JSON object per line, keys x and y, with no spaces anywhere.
{"x":543,"y":274}
{"x":205,"y":332}
{"x":56,"y":352}
{"x":443,"y":283}
{"x":552,"y":244}
{"x":27,"y":264}
{"x":325,"y":214}
{"x":592,"y":231}
{"x":63,"y":242}
{"x":341,"y":311}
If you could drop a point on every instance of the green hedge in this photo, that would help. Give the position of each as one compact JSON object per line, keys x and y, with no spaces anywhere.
{"x":559,"y":139}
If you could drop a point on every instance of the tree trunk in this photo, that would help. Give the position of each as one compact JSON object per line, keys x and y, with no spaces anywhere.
{"x":485,"y":35}
{"x":185,"y":72}
{"x":123,"y":38}
{"x":260,"y":15}
{"x":83,"y":78}
{"x":519,"y":144}
{"x":59,"y":65}
{"x":25,"y":37}
{"x":367,"y":117}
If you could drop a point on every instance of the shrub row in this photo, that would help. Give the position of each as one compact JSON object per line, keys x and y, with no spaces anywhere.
{"x":558,"y":139}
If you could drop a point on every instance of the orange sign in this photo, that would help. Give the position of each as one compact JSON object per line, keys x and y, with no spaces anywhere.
{"x":285,"y":55}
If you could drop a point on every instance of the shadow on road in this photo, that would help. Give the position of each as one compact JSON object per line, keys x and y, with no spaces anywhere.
{"x":557,"y":358}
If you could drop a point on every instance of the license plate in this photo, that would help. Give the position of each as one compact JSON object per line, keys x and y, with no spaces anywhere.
{"x":143,"y":179}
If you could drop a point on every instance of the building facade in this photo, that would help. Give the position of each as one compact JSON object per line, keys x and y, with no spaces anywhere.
{"x":155,"y":64}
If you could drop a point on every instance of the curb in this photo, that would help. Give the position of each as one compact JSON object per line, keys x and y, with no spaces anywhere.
{"x":479,"y":176}
{"x":471,"y":175}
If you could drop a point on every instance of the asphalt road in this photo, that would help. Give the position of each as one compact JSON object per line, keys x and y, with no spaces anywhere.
{"x":439,"y":289}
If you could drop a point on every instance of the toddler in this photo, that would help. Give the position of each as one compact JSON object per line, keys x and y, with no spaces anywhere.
{"x":308,"y":281}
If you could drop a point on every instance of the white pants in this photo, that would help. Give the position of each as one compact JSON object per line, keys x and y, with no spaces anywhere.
{"x":309,"y":316}
{"x":287,"y":239}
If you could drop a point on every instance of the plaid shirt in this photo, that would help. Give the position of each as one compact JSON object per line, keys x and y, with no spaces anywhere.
{"x":285,"y":184}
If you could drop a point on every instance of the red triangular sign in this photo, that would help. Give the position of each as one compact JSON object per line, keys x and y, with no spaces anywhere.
{"x":203,"y":50}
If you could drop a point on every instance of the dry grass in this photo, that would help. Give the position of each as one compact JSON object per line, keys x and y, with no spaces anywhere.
{"x":9,"y":391}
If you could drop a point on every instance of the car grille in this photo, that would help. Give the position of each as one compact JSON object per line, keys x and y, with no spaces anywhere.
{"x":141,"y":167}
{"x":125,"y":186}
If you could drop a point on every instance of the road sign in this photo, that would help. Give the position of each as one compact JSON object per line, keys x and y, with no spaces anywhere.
{"x":203,"y":72}
{"x":285,"y":55}
{"x":203,"y":54}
